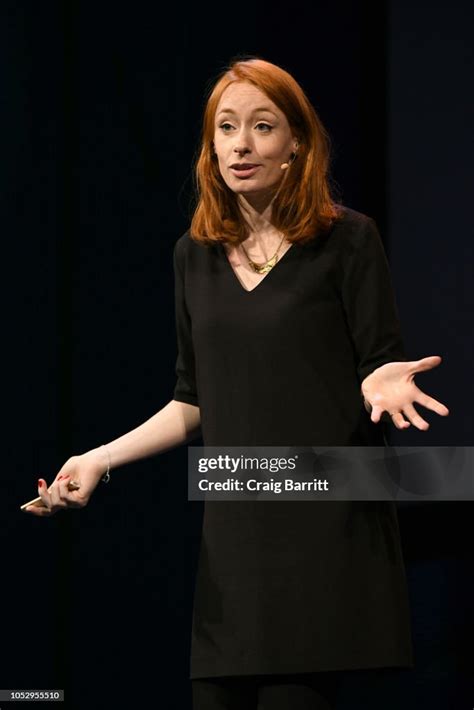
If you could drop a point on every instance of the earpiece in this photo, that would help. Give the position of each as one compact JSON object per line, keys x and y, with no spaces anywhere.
{"x":285,"y":166}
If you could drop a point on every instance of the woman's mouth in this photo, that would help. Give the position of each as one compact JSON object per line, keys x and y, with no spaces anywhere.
{"x":244,"y":171}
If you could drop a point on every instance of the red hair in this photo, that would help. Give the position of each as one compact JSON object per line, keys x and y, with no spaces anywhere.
{"x":302,"y":206}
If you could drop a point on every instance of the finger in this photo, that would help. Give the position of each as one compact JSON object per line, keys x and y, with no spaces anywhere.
{"x":62,"y":484}
{"x":54,"y":494}
{"x":57,"y":493}
{"x":37,"y":510}
{"x":68,"y":493}
{"x":432,"y":404}
{"x":410,"y":412}
{"x":376,"y":413}
{"x":72,"y":503}
{"x":427,"y":363}
{"x":44,"y":493}
{"x":399,"y":421}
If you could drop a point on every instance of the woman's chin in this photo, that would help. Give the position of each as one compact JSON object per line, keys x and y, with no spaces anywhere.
{"x":255,"y":190}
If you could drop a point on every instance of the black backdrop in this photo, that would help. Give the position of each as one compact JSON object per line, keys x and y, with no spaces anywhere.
{"x":100,"y":120}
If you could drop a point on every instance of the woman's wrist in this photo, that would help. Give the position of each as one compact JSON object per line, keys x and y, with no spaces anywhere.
{"x":101,"y":457}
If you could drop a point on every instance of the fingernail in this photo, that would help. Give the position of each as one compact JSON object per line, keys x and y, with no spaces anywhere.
{"x":40,"y":482}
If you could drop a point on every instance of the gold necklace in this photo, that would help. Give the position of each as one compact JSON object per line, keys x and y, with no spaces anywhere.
{"x":268,"y":265}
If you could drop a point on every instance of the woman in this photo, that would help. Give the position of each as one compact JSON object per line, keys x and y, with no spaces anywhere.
{"x":287,"y":327}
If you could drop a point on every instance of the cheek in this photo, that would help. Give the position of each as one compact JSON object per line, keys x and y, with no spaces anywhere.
{"x":221,"y":156}
{"x":226,"y":175}
{"x":222,"y":165}
{"x":271,"y":151}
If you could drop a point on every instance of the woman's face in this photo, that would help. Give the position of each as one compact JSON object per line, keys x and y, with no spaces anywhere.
{"x":250,"y":129}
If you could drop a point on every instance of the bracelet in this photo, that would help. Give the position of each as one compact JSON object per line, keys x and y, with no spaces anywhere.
{"x":106,"y":477}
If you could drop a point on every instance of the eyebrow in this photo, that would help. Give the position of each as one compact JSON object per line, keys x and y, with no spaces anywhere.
{"x":257,"y":110}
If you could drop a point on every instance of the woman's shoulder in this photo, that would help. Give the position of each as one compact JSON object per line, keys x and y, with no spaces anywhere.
{"x":183,"y":243}
{"x":350,"y":220}
{"x":353,"y":230}
{"x":188,"y":251}
{"x":186,"y":243}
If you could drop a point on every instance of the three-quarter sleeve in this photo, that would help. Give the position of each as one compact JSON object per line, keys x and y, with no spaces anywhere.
{"x":369,"y":301}
{"x":185,"y":389}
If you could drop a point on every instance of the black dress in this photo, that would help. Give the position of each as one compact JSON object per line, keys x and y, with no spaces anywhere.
{"x":292,"y":586}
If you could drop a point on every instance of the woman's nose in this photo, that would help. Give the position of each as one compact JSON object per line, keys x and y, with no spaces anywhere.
{"x":242,"y":143}
{"x":240,"y":149}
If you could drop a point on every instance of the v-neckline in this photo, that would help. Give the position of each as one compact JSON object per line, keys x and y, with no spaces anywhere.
{"x":259,"y":284}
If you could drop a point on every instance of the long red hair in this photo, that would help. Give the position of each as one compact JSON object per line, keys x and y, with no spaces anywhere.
{"x":303,"y":205}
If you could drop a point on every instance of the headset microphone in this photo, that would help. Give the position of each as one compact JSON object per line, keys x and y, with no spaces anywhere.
{"x":285,"y":166}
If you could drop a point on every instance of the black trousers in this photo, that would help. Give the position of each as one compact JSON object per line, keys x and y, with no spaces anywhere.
{"x":301,"y":691}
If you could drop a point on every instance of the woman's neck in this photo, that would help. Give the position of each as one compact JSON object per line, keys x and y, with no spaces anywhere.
{"x":257,"y":212}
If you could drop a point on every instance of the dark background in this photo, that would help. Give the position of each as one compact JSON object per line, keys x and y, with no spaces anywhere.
{"x":101,"y":115}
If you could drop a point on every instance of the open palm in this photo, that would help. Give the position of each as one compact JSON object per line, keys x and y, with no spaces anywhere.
{"x":391,"y":388}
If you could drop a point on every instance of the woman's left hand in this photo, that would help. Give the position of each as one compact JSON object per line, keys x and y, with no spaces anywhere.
{"x":391,"y":388}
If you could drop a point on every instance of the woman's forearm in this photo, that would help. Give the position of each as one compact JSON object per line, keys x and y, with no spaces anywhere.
{"x":175,"y":424}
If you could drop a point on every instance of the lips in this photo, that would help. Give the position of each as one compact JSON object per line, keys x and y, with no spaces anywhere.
{"x":244,"y":170}
{"x":244,"y":166}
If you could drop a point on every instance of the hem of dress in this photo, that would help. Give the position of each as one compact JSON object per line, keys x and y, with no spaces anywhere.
{"x":195,"y":673}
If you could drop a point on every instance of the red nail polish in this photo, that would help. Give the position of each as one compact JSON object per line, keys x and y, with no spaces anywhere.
{"x":40,"y":482}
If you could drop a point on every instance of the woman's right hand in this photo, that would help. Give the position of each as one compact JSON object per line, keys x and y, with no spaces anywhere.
{"x":85,"y":470}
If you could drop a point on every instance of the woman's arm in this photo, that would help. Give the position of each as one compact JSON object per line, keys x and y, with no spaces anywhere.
{"x":174,"y":424}
{"x":387,"y":378}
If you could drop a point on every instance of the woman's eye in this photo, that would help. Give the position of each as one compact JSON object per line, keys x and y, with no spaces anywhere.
{"x":266,"y":127}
